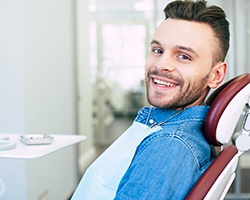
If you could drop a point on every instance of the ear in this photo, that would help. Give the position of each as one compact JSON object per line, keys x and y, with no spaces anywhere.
{"x":217,"y":75}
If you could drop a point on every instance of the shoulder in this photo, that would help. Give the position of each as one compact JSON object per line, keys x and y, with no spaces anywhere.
{"x":162,"y":143}
{"x":182,"y":145}
{"x":160,"y":164}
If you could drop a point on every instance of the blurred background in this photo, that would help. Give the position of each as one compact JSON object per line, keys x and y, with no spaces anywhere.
{"x":77,"y":67}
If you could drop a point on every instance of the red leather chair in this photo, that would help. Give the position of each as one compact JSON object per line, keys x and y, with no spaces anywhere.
{"x":229,"y":103}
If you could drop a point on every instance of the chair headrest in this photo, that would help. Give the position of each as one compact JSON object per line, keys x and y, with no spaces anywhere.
{"x":227,"y":103}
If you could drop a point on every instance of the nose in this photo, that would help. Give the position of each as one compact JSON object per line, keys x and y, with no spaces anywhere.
{"x":165,"y":63}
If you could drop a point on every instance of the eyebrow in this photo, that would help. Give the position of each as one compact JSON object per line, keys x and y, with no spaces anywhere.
{"x":178,"y":47}
{"x":155,"y":42}
{"x":189,"y":49}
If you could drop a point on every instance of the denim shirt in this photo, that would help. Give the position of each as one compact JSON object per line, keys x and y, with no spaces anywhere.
{"x":150,"y":160}
{"x":168,"y":162}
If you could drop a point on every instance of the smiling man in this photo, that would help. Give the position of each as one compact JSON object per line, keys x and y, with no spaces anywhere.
{"x":181,"y":66}
{"x":164,"y":152}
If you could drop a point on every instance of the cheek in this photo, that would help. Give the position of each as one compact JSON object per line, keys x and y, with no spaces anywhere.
{"x":188,"y":76}
{"x":191,"y":74}
{"x":147,"y":68}
{"x":149,"y":63}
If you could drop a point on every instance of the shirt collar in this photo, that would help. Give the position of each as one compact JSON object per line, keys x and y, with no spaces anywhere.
{"x":151,"y":115}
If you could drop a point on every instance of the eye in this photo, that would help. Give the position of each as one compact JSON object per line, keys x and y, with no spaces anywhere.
{"x":157,"y":51}
{"x":184,"y":57}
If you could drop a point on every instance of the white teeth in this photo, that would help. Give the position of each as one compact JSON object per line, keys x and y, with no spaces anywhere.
{"x":164,"y":83}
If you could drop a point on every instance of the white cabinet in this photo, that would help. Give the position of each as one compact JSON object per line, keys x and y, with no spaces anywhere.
{"x":40,"y":171}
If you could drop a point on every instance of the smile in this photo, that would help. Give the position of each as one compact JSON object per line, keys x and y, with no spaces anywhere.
{"x":164,"y":83}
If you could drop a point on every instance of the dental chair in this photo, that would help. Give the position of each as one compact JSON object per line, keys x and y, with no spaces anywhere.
{"x":230,"y":109}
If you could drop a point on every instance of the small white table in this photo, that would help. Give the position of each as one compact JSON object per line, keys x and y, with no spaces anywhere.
{"x":35,"y":151}
{"x":47,"y":171}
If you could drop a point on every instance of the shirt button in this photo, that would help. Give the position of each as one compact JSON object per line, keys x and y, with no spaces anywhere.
{"x":151,"y":121}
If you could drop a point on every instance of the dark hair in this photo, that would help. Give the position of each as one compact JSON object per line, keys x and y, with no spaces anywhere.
{"x":198,"y":11}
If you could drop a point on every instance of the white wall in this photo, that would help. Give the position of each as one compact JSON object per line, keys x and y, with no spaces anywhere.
{"x":37,"y":73}
{"x":49,"y":66}
{"x":11,"y":66}
{"x":37,"y":64}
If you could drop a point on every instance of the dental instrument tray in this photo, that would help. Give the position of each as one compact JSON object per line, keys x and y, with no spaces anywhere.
{"x":37,"y":139}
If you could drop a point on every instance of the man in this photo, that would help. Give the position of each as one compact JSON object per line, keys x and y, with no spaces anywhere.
{"x":164,"y":153}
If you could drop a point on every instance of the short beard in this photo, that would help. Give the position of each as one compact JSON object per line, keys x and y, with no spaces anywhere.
{"x":182,"y":98}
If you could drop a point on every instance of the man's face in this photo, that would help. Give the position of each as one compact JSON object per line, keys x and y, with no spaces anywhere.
{"x":179,"y":65}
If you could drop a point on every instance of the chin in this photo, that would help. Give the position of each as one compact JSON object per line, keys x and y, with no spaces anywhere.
{"x":165,"y":103}
{"x":157,"y":102}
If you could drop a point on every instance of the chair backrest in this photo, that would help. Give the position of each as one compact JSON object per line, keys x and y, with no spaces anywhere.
{"x":227,"y":103}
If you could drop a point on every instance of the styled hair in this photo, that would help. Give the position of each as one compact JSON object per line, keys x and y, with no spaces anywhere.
{"x":198,"y":11}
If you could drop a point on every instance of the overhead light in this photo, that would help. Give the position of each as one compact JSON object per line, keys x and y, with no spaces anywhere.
{"x":143,"y":6}
{"x":92,"y":7}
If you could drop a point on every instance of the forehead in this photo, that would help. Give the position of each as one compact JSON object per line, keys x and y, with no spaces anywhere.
{"x":195,"y":35}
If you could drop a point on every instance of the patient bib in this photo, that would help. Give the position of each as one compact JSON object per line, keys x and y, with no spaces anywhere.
{"x":102,"y":178}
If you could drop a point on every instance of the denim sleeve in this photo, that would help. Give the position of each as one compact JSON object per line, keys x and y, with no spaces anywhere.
{"x":162,"y":168}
